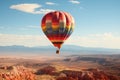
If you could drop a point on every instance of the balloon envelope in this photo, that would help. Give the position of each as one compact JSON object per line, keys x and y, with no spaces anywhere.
{"x":57,"y":26}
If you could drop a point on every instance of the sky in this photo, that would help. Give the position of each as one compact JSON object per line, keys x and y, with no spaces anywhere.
{"x":97,"y":22}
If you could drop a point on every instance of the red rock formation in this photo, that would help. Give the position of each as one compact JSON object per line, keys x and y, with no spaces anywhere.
{"x":22,"y":73}
{"x":89,"y":74}
{"x":17,"y":73}
{"x":46,"y":70}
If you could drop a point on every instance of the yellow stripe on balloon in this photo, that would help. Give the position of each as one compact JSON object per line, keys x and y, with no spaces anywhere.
{"x":72,"y":26}
{"x":73,"y":23}
{"x":44,"y":28}
{"x":68,"y":27}
{"x":55,"y":27}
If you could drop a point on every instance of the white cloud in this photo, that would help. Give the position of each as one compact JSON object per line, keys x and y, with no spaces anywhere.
{"x":26,"y":40}
{"x":30,"y":8}
{"x":50,"y":3}
{"x":74,"y":1}
{"x":102,"y":35}
{"x":43,"y":11}
{"x":106,"y":40}
{"x":31,"y":26}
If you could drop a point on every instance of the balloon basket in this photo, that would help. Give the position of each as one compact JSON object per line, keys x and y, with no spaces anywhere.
{"x":57,"y":51}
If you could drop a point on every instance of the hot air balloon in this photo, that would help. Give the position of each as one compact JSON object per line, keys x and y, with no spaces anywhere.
{"x":57,"y":26}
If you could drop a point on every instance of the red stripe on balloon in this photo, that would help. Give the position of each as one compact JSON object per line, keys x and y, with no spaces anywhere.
{"x":55,"y":37}
{"x":55,"y":19}
{"x":68,"y":19}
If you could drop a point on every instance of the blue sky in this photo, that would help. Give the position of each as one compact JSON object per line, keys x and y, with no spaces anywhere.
{"x":97,"y":22}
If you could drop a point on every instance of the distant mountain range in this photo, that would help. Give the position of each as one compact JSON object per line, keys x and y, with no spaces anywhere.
{"x":72,"y":49}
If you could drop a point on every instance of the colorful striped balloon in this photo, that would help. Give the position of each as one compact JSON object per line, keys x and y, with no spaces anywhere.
{"x":57,"y":26}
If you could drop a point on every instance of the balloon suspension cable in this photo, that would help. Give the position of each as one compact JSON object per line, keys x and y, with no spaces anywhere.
{"x":57,"y":51}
